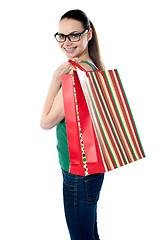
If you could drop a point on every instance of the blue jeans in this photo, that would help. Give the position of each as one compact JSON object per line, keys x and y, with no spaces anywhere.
{"x":80,"y":204}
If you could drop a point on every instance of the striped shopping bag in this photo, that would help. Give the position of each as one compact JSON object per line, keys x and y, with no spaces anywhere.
{"x":101,"y":131}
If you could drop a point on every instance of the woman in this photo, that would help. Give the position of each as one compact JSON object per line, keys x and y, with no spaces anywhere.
{"x":78,"y":40}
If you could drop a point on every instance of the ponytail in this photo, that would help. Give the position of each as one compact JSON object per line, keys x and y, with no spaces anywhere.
{"x":94,"y":50}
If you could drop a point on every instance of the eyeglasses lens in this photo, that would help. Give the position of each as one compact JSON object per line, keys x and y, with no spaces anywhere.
{"x":72,"y":37}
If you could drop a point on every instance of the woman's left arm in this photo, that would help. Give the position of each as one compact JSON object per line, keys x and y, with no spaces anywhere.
{"x":53,"y":109}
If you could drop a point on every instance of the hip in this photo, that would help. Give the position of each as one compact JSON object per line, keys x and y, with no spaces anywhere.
{"x":82,"y":189}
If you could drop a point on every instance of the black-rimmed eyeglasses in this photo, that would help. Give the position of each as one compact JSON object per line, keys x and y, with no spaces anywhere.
{"x":73,"y":37}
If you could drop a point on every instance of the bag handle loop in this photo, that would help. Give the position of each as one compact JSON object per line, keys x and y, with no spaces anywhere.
{"x":76,"y":65}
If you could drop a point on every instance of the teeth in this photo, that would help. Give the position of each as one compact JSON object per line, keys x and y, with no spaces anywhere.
{"x":69,"y":49}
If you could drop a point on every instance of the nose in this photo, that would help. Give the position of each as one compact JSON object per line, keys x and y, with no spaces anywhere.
{"x":67,"y":42}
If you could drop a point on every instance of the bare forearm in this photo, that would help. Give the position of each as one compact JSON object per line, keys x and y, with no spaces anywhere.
{"x":51,"y":111}
{"x":52,"y":92}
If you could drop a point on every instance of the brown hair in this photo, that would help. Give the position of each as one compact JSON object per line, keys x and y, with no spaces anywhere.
{"x":93,"y":46}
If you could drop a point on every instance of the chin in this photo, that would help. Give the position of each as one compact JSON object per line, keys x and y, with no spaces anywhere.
{"x":70,"y":56}
{"x":74,"y":54}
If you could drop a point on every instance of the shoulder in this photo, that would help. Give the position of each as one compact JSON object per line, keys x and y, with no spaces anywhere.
{"x":86,"y":66}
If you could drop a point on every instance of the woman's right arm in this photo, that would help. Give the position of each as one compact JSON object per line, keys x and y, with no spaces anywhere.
{"x":53,"y":109}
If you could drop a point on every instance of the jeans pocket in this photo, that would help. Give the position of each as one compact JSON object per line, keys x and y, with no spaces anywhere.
{"x":68,"y":183}
{"x":93,"y":186}
{"x":68,"y":192}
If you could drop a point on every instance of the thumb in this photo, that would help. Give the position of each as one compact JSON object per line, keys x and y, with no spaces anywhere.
{"x":75,"y":60}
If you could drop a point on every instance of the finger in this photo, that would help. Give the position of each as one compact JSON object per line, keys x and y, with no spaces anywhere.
{"x":75,"y":60}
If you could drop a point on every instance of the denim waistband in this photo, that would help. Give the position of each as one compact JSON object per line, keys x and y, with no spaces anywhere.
{"x":75,"y":176}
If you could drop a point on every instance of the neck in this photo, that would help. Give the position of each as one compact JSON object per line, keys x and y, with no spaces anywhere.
{"x":85,"y":56}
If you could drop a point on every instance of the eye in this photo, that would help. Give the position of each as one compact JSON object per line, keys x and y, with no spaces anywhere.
{"x":74,"y":35}
{"x":61,"y":36}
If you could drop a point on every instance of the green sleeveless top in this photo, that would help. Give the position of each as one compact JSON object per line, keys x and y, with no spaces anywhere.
{"x":62,"y":142}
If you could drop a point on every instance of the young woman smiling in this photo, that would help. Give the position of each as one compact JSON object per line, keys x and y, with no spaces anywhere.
{"x":77,"y":38}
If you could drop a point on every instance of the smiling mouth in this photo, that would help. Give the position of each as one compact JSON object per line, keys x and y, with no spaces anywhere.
{"x":70,"y":50}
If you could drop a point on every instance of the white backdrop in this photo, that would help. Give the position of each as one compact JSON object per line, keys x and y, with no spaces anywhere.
{"x":131,"y":35}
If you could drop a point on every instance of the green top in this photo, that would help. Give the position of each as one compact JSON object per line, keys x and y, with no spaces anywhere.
{"x":62,"y":142}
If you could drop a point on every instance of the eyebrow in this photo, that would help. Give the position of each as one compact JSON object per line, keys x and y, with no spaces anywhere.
{"x":69,"y":33}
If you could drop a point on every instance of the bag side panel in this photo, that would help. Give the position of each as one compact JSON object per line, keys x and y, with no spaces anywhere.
{"x":76,"y":165}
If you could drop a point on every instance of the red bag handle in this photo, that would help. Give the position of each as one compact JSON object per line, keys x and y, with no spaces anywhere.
{"x":76,"y":65}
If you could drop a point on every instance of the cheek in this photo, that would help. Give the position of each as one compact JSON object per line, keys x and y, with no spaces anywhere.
{"x":60,"y":45}
{"x":83,"y":44}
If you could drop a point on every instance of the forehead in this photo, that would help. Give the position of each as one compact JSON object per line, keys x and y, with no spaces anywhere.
{"x":67,"y":26}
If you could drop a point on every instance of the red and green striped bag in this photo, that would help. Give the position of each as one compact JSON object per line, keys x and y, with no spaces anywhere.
{"x":101,"y":131}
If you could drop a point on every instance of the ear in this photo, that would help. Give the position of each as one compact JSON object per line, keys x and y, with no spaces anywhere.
{"x":90,"y":34}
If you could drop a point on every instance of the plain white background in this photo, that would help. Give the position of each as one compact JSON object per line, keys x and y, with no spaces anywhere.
{"x":131,"y":35}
